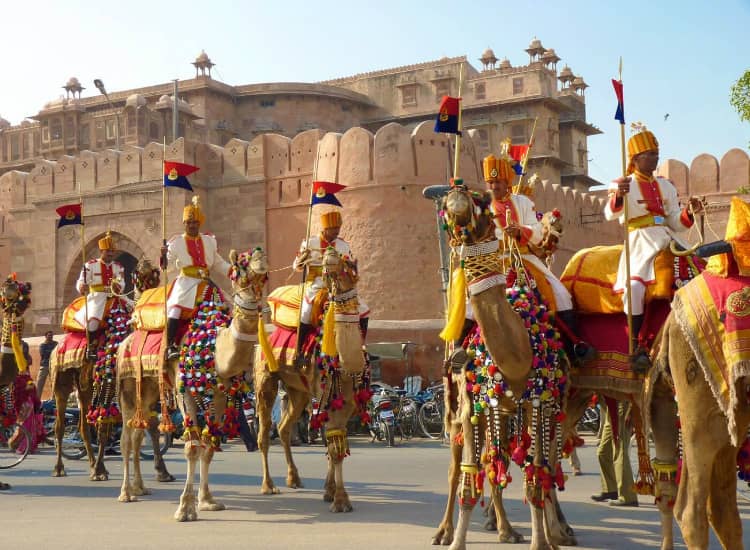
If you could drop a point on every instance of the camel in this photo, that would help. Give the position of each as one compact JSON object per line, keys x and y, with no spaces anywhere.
{"x":15,"y":298}
{"x":506,"y":339}
{"x":714,"y":418}
{"x":339,"y":383}
{"x":72,"y":370}
{"x":140,"y":388}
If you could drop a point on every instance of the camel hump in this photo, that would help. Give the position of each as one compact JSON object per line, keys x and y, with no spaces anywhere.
{"x":591,"y":273}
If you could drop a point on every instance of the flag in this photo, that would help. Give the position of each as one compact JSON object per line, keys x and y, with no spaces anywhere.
{"x":324,"y":192}
{"x":447,"y":119}
{"x":519,"y":154}
{"x":70,"y":214}
{"x":620,"y":113}
{"x":175,"y":174}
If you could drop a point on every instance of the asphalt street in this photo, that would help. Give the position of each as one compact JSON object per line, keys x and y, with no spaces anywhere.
{"x":398,"y":496}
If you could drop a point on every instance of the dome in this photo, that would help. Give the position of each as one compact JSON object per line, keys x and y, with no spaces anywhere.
{"x":566,"y":72}
{"x":73,"y":82}
{"x":488,"y":54}
{"x":536,"y":44}
{"x":59,"y":102}
{"x":164,"y":99}
{"x":136,"y":100}
{"x":505,"y":63}
{"x":203,"y":57}
{"x":550,"y":55}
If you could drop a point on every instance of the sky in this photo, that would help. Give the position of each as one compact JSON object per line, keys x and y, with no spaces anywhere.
{"x":679,"y":57}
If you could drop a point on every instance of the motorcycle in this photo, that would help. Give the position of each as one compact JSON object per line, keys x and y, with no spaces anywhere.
{"x":383,"y":422}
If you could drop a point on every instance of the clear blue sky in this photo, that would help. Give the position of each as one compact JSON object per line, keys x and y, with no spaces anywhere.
{"x":680,"y":57}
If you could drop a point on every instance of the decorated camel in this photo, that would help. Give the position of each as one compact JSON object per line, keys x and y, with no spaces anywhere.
{"x":334,"y":371}
{"x":206,"y":380}
{"x":697,"y":397}
{"x":94,"y":381}
{"x":15,"y":298}
{"x":504,"y":378}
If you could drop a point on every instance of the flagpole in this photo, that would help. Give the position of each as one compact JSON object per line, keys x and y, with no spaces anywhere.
{"x":517,"y":187}
{"x":85,"y":281}
{"x":457,"y":154}
{"x":164,"y":234}
{"x":628,"y":293}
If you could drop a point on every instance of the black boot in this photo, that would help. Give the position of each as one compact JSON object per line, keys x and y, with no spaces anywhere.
{"x":581,"y":351}
{"x":92,"y":349}
{"x":639,"y":361}
{"x":173,"y":351}
{"x":302,"y":334}
{"x":458,"y":358}
{"x":363,"y":321}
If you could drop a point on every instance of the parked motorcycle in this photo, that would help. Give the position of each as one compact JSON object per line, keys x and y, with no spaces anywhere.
{"x":383,"y":422}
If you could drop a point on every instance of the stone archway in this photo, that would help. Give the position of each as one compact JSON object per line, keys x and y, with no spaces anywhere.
{"x":128,"y":255}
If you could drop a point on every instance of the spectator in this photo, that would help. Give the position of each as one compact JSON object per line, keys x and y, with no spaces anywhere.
{"x":45,"y":353}
{"x":614,"y":464}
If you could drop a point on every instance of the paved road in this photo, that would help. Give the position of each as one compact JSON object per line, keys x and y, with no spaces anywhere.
{"x":398,"y":496}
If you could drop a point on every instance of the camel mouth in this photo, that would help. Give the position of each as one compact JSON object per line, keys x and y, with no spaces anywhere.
{"x":458,"y":207}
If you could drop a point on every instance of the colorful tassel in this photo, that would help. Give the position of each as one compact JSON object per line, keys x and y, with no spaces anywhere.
{"x":265,"y":346}
{"x":328,"y":345}
{"x":457,"y":308}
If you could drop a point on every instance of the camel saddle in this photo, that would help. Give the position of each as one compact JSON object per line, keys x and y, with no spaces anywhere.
{"x":285,"y":303}
{"x":69,"y":323}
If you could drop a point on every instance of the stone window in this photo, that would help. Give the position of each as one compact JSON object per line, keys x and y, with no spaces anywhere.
{"x":111,"y":129}
{"x":70,"y":132}
{"x":99,"y":131}
{"x":581,"y":154}
{"x":15,"y":151}
{"x":442,"y":87}
{"x":56,"y":129}
{"x":518,"y":85}
{"x":267,"y":103}
{"x":479,"y":90}
{"x":153,"y":131}
{"x":26,"y":145}
{"x":483,"y":138}
{"x":409,"y":95}
{"x":132,"y":126}
{"x":85,"y":135}
{"x":45,"y":131}
{"x":518,"y":133}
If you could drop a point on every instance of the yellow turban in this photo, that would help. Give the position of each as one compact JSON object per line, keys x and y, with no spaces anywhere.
{"x":496,"y":169}
{"x":641,"y":142}
{"x":330,"y":219}
{"x":106,"y":242}
{"x":193,"y":212}
{"x":738,"y":235}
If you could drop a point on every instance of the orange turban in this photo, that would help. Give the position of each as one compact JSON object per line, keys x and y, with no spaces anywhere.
{"x":640,"y":142}
{"x":496,"y":169}
{"x":330,"y":219}
{"x":193,"y":212}
{"x":106,"y":242}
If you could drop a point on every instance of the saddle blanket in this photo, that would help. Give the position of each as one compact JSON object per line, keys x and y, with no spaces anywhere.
{"x":144,"y":349}
{"x":714,"y":315}
{"x":69,"y":354}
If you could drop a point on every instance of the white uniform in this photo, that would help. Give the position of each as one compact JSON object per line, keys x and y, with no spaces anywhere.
{"x":520,"y":211}
{"x":315,"y":268}
{"x":206,"y":262}
{"x":659,"y":200}
{"x":98,"y":276}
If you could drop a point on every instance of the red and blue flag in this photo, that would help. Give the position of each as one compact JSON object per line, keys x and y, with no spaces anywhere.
{"x":447,"y":119}
{"x":324,"y":192}
{"x":519,"y":154}
{"x":175,"y":174}
{"x":620,"y":113}
{"x":70,"y":214}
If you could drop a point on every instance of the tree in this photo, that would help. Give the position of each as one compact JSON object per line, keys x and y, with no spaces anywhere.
{"x":739,"y":96}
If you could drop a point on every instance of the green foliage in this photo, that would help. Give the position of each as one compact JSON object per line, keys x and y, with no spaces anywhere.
{"x":739,"y":96}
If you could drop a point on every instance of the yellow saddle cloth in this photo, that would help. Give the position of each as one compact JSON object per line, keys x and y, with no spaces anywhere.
{"x":285,"y":303}
{"x":591,"y":274}
{"x":69,"y":322}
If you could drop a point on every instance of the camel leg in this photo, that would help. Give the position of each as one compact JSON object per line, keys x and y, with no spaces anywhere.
{"x":139,"y":488}
{"x":297,"y":402}
{"x":329,"y":487}
{"x":206,"y":500}
{"x":84,"y":401}
{"x":505,"y":531}
{"x":186,"y":510}
{"x":98,"y":470}
{"x":722,"y":501}
{"x":444,"y":534}
{"x":63,"y":388}
{"x":162,"y":474}
{"x":664,"y":428}
{"x":466,"y":506}
{"x":338,"y":446}
{"x":266,"y":388}
{"x":126,"y":495}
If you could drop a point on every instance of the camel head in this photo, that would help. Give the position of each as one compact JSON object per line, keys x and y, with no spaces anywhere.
{"x":15,"y":296}
{"x":145,"y":276}
{"x":249,"y":273}
{"x":552,"y":229}
{"x":467,"y":216}
{"x":339,"y":272}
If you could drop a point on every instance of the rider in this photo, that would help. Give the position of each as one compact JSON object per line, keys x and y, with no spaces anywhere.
{"x":311,"y":255}
{"x":99,"y":279}
{"x":654,"y":215}
{"x":196,"y":256}
{"x":515,"y":218}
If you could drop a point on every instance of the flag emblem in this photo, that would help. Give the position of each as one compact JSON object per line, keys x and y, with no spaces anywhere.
{"x":70,"y":214}
{"x":493,"y":172}
{"x":175,"y":174}
{"x":324,"y":192}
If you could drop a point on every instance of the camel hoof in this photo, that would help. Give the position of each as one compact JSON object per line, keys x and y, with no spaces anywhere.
{"x":510,"y":537}
{"x":124,"y":497}
{"x":338,"y":507}
{"x":491,"y":523}
{"x":294,"y":482}
{"x":5,"y":486}
{"x":211,"y":506}
{"x":270,"y":490}
{"x":99,"y":477}
{"x":140,"y":491}
{"x":59,"y":472}
{"x":165,"y":477}
{"x":328,"y":497}
{"x":185,"y":515}
{"x":443,"y":537}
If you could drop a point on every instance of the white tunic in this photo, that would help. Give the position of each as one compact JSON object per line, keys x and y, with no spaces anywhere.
{"x":647,"y":242}
{"x":184,"y":290}
{"x":315,"y":265}
{"x":96,"y":300}
{"x":531,"y":227}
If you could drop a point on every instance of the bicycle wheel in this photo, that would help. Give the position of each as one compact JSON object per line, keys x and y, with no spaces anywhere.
{"x":388,"y":435}
{"x":72,"y":443}
{"x":407,"y":420}
{"x":165,"y":442}
{"x":431,"y":419}
{"x":10,"y":456}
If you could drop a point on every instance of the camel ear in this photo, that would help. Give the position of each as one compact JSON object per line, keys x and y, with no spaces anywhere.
{"x":233,"y":256}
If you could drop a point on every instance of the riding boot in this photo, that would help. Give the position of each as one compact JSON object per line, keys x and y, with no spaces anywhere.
{"x":304,"y":331}
{"x":363,"y":321}
{"x":639,"y":361}
{"x":92,"y":349}
{"x":173,"y":351}
{"x":458,"y":358}
{"x":582,"y":351}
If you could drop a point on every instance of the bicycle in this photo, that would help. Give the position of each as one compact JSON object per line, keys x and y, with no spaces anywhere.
{"x":13,"y":450}
{"x":432,"y":413}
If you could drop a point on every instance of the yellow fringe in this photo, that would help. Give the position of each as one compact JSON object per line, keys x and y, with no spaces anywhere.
{"x":456,"y":307}
{"x":15,"y":343}
{"x":265,"y":346}
{"x":328,"y":346}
